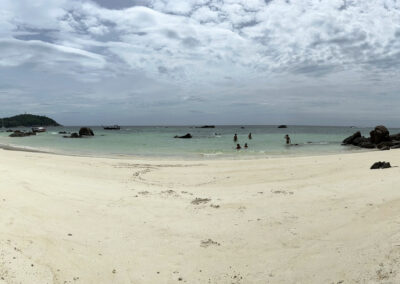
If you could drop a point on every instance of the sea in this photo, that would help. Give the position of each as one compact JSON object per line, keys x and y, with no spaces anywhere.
{"x":207,"y":143}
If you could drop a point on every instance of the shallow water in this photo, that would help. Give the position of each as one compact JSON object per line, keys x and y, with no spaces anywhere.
{"x":148,"y":141}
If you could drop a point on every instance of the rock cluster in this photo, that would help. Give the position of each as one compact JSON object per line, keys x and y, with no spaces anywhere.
{"x":83,"y":132}
{"x":18,"y":133}
{"x":379,"y":138}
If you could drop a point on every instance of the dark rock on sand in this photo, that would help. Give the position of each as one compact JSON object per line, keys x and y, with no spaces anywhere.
{"x":18,"y":133}
{"x":187,"y":136}
{"x":282,"y":126}
{"x":86,"y":131}
{"x":380,"y":165}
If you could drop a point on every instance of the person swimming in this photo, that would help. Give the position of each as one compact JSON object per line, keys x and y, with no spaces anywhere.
{"x":250,"y":137}
{"x":235,"y":138}
{"x":288,"y":141}
{"x":246,"y":146}
{"x":238,"y":147}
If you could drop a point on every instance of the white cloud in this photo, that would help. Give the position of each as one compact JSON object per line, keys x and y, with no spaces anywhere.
{"x":207,"y":47}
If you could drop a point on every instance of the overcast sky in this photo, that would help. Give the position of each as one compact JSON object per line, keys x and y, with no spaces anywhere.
{"x":146,"y":62}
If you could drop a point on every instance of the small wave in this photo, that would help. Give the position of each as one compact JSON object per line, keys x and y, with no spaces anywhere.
{"x":318,"y":143}
{"x":212,"y":154}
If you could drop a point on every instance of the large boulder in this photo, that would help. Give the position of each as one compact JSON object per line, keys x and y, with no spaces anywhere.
{"x":379,"y":134}
{"x":86,"y":131}
{"x":349,"y":140}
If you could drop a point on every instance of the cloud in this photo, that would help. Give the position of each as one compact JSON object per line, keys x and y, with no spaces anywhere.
{"x":224,"y":50}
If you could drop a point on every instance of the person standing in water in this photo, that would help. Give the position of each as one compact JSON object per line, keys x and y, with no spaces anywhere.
{"x":235,"y":138}
{"x":250,"y":137}
{"x":238,"y":147}
{"x":288,"y":141}
{"x":246,"y":146}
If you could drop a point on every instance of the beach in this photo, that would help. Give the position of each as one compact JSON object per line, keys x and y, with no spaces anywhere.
{"x":311,"y":219}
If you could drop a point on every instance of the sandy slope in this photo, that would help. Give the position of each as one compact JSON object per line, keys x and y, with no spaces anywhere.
{"x":320,"y":219}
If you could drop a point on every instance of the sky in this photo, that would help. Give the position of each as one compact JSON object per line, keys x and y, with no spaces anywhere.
{"x":175,"y":62}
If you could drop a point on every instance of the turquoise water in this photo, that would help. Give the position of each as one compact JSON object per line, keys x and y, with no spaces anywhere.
{"x":268,"y":141}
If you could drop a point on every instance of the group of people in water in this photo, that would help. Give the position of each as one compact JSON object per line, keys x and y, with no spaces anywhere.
{"x":238,"y":147}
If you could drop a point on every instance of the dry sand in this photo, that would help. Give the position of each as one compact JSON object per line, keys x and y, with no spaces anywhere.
{"x":325,"y":219}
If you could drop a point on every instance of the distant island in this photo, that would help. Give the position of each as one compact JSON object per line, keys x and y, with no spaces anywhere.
{"x":27,"y":120}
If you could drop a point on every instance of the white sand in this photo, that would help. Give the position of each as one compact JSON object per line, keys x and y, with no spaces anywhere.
{"x":286,"y":220}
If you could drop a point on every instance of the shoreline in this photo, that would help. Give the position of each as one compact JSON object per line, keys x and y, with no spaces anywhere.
{"x":189,"y":157}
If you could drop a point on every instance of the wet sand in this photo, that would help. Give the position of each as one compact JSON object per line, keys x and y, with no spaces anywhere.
{"x":322,"y":219}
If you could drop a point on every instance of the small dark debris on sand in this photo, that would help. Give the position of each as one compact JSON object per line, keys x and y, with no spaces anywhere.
{"x":284,"y":192}
{"x":143,"y":192}
{"x":198,"y":200}
{"x":380,"y":165}
{"x":214,"y":206}
{"x":209,"y":242}
{"x":114,"y":271}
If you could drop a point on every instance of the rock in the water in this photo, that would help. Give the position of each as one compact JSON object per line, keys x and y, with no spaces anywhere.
{"x":379,"y":134}
{"x":86,"y":131}
{"x":381,"y":165}
{"x":187,"y":136}
{"x":206,"y":126}
{"x":18,"y":133}
{"x":73,"y":135}
{"x":350,"y":139}
{"x":282,"y":126}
